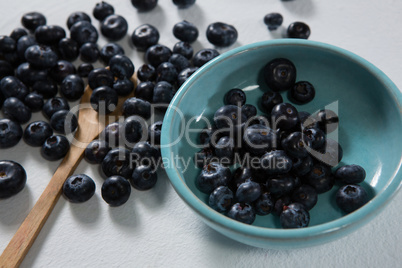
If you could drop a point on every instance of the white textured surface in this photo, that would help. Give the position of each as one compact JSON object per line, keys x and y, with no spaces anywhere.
{"x":155,"y":228}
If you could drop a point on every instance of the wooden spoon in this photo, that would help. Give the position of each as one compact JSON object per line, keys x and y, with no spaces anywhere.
{"x":90,"y":124}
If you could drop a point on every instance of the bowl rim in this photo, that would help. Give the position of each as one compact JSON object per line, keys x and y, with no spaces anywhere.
{"x":178,"y":182}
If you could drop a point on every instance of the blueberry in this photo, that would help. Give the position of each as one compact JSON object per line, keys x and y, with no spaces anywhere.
{"x":280,"y":203}
{"x":212,"y":176}
{"x":221,"y":199}
{"x":109,"y":50}
{"x":185,"y":31}
{"x":16,"y":110}
{"x":117,"y":162}
{"x":280,"y":74}
{"x":76,"y":17}
{"x":89,"y":52}
{"x":36,"y":133}
{"x":229,"y":116}
{"x":248,"y":192}
{"x":112,"y":133}
{"x":145,"y":91}
{"x":12,"y":178}
{"x":166,"y":71}
{"x":258,"y":139}
{"x":136,"y":106}
{"x":55,"y":148}
{"x":23,"y":43}
{"x":185,"y":74}
{"x":84,"y":32}
{"x":53,"y":105}
{"x":11,"y":86}
{"x":123,"y":86}
{"x":17,"y":33}
{"x":264,"y":204}
{"x":163,"y":94}
{"x":96,"y":151}
{"x":269,"y":100}
{"x":47,"y":88}
{"x":302,"y":92}
{"x":204,"y":55}
{"x":276,"y":162}
{"x":294,"y":216}
{"x":295,"y":145}
{"x":225,"y":149}
{"x":302,"y":166}
{"x":183,"y":3}
{"x":146,"y":72}
{"x":62,"y":69}
{"x":154,"y":133}
{"x":121,"y":66}
{"x":72,"y":87}
{"x":351,"y":197}
{"x":102,"y":10}
{"x":100,"y":77}
{"x":157,"y":54}
{"x":145,"y":36}
{"x":144,"y":5}
{"x":179,"y":61}
{"x":28,"y":74}
{"x":249,"y":110}
{"x":273,"y":20}
{"x":133,"y":129}
{"x":298,"y":30}
{"x":49,"y":34}
{"x":320,"y":178}
{"x":240,"y":175}
{"x":34,"y":101}
{"x":305,"y":195}
{"x":84,"y":69}
{"x":68,"y":49}
{"x":104,"y":99}
{"x":114,"y":27}
{"x":235,"y":96}
{"x":204,"y":157}
{"x":205,"y":135}
{"x":143,"y":178}
{"x":64,"y":122}
{"x":327,"y":120}
{"x":350,"y":174}
{"x":10,"y":133}
{"x":7,"y":44}
{"x":78,"y":188}
{"x":6,"y":69}
{"x":330,"y":153}
{"x":242,"y":212}
{"x":316,"y":137}
{"x":12,"y":58}
{"x":33,"y":20}
{"x":281,"y":184}
{"x":183,"y":48}
{"x":144,"y":153}
{"x":306,"y":120}
{"x":221,"y":34}
{"x":284,"y":116}
{"x":116,"y":190}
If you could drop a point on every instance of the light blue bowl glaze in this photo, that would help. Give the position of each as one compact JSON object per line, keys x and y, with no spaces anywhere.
{"x":369,"y":106}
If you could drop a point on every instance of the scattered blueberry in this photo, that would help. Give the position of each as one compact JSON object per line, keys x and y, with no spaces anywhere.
{"x":166,"y":71}
{"x":179,"y":61}
{"x":84,"y":32}
{"x":114,"y":27}
{"x":123,"y":86}
{"x":12,"y":178}
{"x":235,"y":96}
{"x":100,"y":77}
{"x":11,"y":86}
{"x":102,"y":10}
{"x":302,"y":92}
{"x":221,"y":34}
{"x":280,"y":74}
{"x":34,"y":101}
{"x":320,"y":178}
{"x":269,"y":100}
{"x":117,"y":162}
{"x":53,"y":105}
{"x":276,"y":162}
{"x":143,"y":178}
{"x":157,"y":54}
{"x":76,"y":17}
{"x":116,"y":190}
{"x":16,"y":110}
{"x":294,"y":216}
{"x":143,"y":153}
{"x":284,"y":116}
{"x":47,"y":88}
{"x":133,"y":129}
{"x":229,"y":116}
{"x":295,"y":145}
{"x":183,"y":3}
{"x":109,"y":50}
{"x":145,"y":36}
{"x":72,"y":87}
{"x":203,"y":56}
{"x":64,"y":122}
{"x":61,"y":70}
{"x":249,"y":110}
{"x":55,"y":147}
{"x":136,"y":106}
{"x":6,"y":69}
{"x":281,"y":184}
{"x":78,"y":188}
{"x":89,"y":52}
{"x":212,"y":176}
{"x":221,"y":199}
{"x":242,"y":212}
{"x":68,"y":49}
{"x":36,"y":133}
{"x":273,"y":20}
{"x":350,"y":174}
{"x":351,"y":197}
{"x":305,"y":195}
{"x":248,"y":192}
{"x":33,"y":20}
{"x":302,"y":166}
{"x":17,"y":33}
{"x":144,"y":5}
{"x":7,"y":44}
{"x":84,"y":69}
{"x":146,"y":72}
{"x":163,"y":94}
{"x":10,"y":133}
{"x":183,"y":48}
{"x":327,"y":120}
{"x":112,"y":134}
{"x":145,"y":90}
{"x":298,"y":30}
{"x":121,"y":66}
{"x":23,"y":43}
{"x":225,"y":150}
{"x":185,"y":31}
{"x":49,"y":34}
{"x":28,"y":74}
{"x":259,"y":139}
{"x":96,"y":151}
{"x":185,"y":74}
{"x":104,"y":99}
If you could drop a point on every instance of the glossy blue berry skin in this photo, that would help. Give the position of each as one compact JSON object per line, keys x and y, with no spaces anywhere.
{"x":302,"y":92}
{"x":11,"y":86}
{"x":166,"y":71}
{"x":240,"y":175}
{"x":117,"y":162}
{"x":154,"y":133}
{"x":33,"y":20}
{"x":179,"y":61}
{"x":84,"y":69}
{"x":114,"y":27}
{"x":123,"y":86}
{"x":89,"y":52}
{"x":281,"y":184}
{"x":284,"y":116}
{"x":305,"y":195}
{"x":76,"y":17}
{"x":163,"y":94}
{"x":84,"y":32}
{"x":351,"y":197}
{"x":6,"y":69}
{"x":229,"y":116}
{"x":78,"y":188}
{"x":249,"y":110}
{"x":316,"y":137}
{"x":295,"y":145}
{"x":116,"y":191}
{"x":273,"y":20}
{"x":248,"y":192}
{"x":242,"y":212}
{"x":146,"y":72}
{"x":96,"y":151}
{"x":72,"y":87}
{"x":55,"y":148}
{"x":100,"y":77}
{"x":36,"y":133}
{"x":143,"y":178}
{"x":264,"y":204}
{"x":13,"y":59}
{"x":7,"y":44}
{"x":258,"y":139}
{"x":16,"y":110}
{"x":235,"y":96}
{"x":221,"y":199}
{"x":269,"y":100}
{"x":294,"y":216}
{"x":143,"y":153}
{"x":185,"y":31}
{"x":64,"y":122}
{"x":136,"y":106}
{"x":184,"y":49}
{"x":282,"y":201}
{"x":133,"y":129}
{"x":225,"y":150}
{"x":302,"y":166}
{"x":49,"y":34}
{"x":109,"y":50}
{"x":183,"y":3}
{"x":157,"y":54}
{"x":104,"y":99}
{"x":212,"y":176}
{"x":53,"y":105}
{"x":221,"y":34}
{"x":12,"y":178}
{"x":102,"y":10}
{"x":10,"y":133}
{"x":145,"y":36}
{"x":298,"y":30}
{"x":121,"y":66}
{"x":320,"y":178}
{"x":29,"y":74}
{"x":280,"y":74}
{"x":203,"y":56}
{"x":145,"y":90}
{"x":61,"y":70}
{"x":17,"y":33}
{"x":350,"y":174}
{"x":113,"y":134}
{"x":68,"y":49}
{"x":23,"y":43}
{"x":276,"y":162}
{"x":185,"y":74}
{"x":144,"y":5}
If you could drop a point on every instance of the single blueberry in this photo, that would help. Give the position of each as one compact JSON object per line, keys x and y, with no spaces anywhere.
{"x":294,"y":216}
{"x":179,"y":61}
{"x":64,"y":122}
{"x":10,"y":133}
{"x":55,"y":148}
{"x":166,"y":71}
{"x":100,"y":77}
{"x":235,"y":96}
{"x":242,"y":212}
{"x":33,"y":20}
{"x":284,"y":116}
{"x":273,"y":20}
{"x":104,"y":99}
{"x":133,"y":129}
{"x":109,"y":50}
{"x":320,"y":178}
{"x":221,"y":199}
{"x":163,"y":94}
{"x":76,"y":17}
{"x":248,"y":192}
{"x":123,"y":86}
{"x":68,"y":49}
{"x":28,"y":74}
{"x":276,"y":162}
{"x":83,"y":32}
{"x":351,"y":197}
{"x":11,"y":86}
{"x":183,"y":3}
{"x":280,"y":74}
{"x":185,"y":31}
{"x":296,"y":145}
{"x":229,"y":116}
{"x":143,"y":153}
{"x":84,"y":69}
{"x":23,"y":43}
{"x":258,"y":139}
{"x":146,"y":72}
{"x":136,"y":106}
{"x":203,"y":56}
{"x":264,"y":204}
{"x":302,"y":166}
{"x":157,"y":54}
{"x":13,"y":178}
{"x":145,"y":36}
{"x":17,"y":33}
{"x":116,"y":190}
{"x":78,"y":188}
{"x":61,"y":70}
{"x":249,"y":110}
{"x":7,"y":44}
{"x":16,"y":110}
{"x":225,"y":150}
{"x":316,"y":137}
{"x":49,"y":34}
{"x":212,"y":176}
{"x":102,"y":10}
{"x":34,"y":101}
{"x":117,"y":162}
{"x":121,"y":66}
{"x":144,"y":5}
{"x":350,"y":174}
{"x":113,"y":134}
{"x":269,"y":100}
{"x":302,"y":92}
{"x":47,"y":88}
{"x":89,"y":52}
{"x":185,"y":74}
{"x":145,"y":91}
{"x":72,"y":87}
{"x":240,"y":175}
{"x":298,"y":30}
{"x":96,"y":151}
{"x":53,"y":105}
{"x":281,"y":184}
{"x":221,"y":34}
{"x":36,"y":133}
{"x":184,"y":49}
{"x":143,"y":178}
{"x":114,"y":27}
{"x":305,"y":195}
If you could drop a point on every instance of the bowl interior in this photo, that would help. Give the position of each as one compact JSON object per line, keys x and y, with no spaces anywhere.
{"x":370,"y":118}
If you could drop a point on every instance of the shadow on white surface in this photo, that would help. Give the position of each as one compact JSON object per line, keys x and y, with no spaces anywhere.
{"x":303,"y":8}
{"x":192,"y":14}
{"x":87,"y":212}
{"x":13,"y":210}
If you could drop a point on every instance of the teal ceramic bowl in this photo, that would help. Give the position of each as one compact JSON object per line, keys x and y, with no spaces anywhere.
{"x":369,"y":107}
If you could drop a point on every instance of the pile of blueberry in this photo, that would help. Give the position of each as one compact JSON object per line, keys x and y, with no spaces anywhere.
{"x":284,"y":157}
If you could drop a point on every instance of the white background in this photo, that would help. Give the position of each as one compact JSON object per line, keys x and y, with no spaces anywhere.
{"x":155,"y":228}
